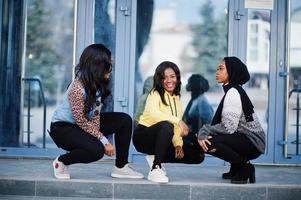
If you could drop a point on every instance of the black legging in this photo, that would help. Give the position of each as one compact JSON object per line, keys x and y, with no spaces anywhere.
{"x":157,"y":140}
{"x":234,"y":148}
{"x":85,"y":148}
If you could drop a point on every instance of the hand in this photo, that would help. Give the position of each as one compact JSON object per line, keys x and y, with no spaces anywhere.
{"x":204,"y":143}
{"x":184,"y":128}
{"x":179,"y":153}
{"x":109,"y":150}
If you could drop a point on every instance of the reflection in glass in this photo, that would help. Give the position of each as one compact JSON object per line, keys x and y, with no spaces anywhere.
{"x":258,"y":62}
{"x":194,"y":36}
{"x":294,"y":103}
{"x":104,"y":32}
{"x":48,"y":51}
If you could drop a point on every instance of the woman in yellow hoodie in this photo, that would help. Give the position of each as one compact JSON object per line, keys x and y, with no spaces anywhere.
{"x":160,"y":128}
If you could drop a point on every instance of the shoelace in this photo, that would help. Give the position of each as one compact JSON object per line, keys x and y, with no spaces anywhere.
{"x":156,"y":167}
{"x":64,"y":168}
{"x":130,"y":167}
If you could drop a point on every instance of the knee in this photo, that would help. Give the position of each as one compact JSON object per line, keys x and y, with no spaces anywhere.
{"x":200,"y":159}
{"x":126,"y":119}
{"x":167,"y":127}
{"x":98,"y":153}
{"x":215,"y":147}
{"x":212,"y":150}
{"x":138,"y":147}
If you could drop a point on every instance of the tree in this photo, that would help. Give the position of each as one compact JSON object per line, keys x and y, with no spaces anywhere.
{"x":40,"y":51}
{"x":210,"y":42}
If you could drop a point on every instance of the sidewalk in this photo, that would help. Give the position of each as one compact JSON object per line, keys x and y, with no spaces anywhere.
{"x":33,"y":179}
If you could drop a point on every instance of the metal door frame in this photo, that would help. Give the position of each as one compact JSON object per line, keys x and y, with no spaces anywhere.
{"x":239,"y":48}
{"x":283,"y":47}
{"x":277,"y":103}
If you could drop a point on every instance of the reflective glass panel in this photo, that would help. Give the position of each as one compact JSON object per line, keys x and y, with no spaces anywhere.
{"x":258,"y":62}
{"x":48,"y":60}
{"x":192,"y":35}
{"x":294,"y":103}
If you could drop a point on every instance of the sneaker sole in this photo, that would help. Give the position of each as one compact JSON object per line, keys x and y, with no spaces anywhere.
{"x":125,"y":176}
{"x":64,"y":178}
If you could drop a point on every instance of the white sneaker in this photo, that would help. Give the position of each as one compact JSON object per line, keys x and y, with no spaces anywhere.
{"x":150,"y":161}
{"x":157,"y":175}
{"x":125,"y":172}
{"x":61,"y":171}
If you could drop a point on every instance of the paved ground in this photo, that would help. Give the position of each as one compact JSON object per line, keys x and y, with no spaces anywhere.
{"x":192,"y":179}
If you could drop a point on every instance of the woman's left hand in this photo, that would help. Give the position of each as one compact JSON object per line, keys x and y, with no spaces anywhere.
{"x":109,"y":150}
{"x":204,"y":143}
{"x":179,"y":153}
{"x":184,"y":128}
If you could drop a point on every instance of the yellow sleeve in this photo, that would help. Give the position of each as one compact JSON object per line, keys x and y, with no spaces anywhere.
{"x":153,"y":108}
{"x":177,"y":138}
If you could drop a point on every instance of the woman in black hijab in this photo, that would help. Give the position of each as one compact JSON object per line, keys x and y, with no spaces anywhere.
{"x":235,"y":134}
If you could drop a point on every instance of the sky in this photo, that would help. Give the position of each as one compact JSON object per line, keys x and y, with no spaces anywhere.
{"x":189,"y":12}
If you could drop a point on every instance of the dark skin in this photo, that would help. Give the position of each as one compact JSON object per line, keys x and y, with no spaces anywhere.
{"x":179,"y":153}
{"x":109,"y":148}
{"x":169,"y":83}
{"x":221,"y":76}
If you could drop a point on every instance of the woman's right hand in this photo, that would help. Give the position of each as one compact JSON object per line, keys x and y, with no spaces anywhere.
{"x":109,"y":150}
{"x":184,"y":128}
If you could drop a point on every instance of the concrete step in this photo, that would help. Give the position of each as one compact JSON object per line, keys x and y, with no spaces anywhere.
{"x":18,"y":197}
{"x":33,"y":179}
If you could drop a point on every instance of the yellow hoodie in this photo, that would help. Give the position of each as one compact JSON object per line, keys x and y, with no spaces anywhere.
{"x":155,"y":111}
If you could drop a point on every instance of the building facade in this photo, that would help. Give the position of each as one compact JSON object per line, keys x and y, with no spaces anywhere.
{"x":41,"y":41}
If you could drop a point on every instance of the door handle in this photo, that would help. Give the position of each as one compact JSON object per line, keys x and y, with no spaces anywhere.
{"x":238,"y":14}
{"x":123,"y":101}
{"x":285,"y":71}
{"x":283,"y":74}
{"x":125,"y":10}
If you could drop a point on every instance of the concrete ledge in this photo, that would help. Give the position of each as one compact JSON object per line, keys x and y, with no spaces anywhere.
{"x":33,"y":179}
{"x":84,"y":189}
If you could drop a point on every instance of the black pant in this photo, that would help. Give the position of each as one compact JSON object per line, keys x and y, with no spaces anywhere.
{"x":157,"y":140}
{"x":234,"y":148}
{"x":85,"y":148}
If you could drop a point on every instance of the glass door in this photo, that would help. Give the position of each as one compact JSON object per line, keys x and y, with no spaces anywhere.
{"x":271,"y":47}
{"x":288,"y":141}
{"x":193,"y":35}
{"x":56,"y":32}
{"x":260,"y":32}
{"x":48,"y":66}
{"x":294,"y":80}
{"x":259,"y":61}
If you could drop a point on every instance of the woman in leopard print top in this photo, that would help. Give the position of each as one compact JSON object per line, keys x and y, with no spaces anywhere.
{"x":78,"y":125}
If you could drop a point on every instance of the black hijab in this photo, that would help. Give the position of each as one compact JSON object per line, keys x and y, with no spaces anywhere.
{"x":238,"y":75}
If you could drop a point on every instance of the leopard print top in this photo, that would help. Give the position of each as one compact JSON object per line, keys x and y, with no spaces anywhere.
{"x":76,"y":100}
